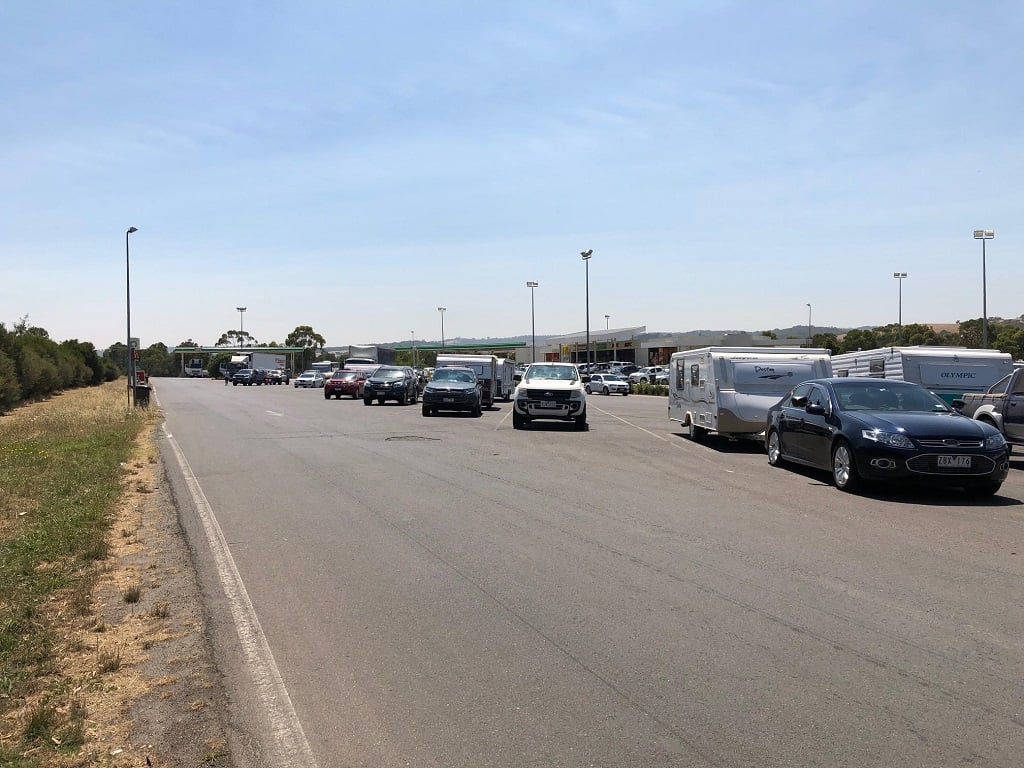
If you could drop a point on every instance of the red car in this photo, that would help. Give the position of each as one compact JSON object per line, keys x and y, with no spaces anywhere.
{"x":345,"y":383}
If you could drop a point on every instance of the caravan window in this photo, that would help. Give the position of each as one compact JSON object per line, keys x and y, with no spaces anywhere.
{"x":767,"y":377}
{"x":876,"y":369}
{"x":695,"y":375}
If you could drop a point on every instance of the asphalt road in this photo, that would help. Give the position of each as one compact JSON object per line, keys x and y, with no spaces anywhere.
{"x":448,"y":591}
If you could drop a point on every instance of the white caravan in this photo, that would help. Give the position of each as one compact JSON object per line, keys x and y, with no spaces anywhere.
{"x":949,"y":372}
{"x":729,"y":390}
{"x":486,"y":368}
{"x":506,"y":377}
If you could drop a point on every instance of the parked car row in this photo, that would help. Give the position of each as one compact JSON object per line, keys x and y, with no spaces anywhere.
{"x":257,"y":376}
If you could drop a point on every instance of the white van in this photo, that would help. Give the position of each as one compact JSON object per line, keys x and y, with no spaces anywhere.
{"x":949,"y":372}
{"x":729,"y":390}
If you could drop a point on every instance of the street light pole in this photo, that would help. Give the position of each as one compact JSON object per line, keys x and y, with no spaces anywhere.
{"x":531,"y":284}
{"x":128,"y":305}
{"x":810,"y":338}
{"x":586,"y":261}
{"x":413,"y":333}
{"x":442,"y":311}
{"x":607,"y":319}
{"x":900,"y":276}
{"x":241,"y":327}
{"x":983,"y":235}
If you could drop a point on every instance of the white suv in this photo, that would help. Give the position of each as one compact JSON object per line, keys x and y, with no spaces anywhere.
{"x":550,"y":391}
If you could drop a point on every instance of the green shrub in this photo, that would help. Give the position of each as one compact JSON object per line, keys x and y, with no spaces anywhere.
{"x":10,"y":389}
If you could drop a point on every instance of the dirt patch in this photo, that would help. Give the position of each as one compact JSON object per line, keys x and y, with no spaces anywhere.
{"x":135,"y":654}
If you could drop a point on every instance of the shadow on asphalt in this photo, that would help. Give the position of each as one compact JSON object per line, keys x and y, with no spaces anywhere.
{"x":724,"y":444}
{"x":553,"y":426}
{"x":921,"y":495}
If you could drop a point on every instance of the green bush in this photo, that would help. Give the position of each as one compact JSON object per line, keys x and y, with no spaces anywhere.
{"x":10,"y":389}
{"x":660,"y":390}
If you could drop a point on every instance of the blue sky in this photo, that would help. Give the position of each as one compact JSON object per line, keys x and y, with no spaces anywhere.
{"x":353,"y":166}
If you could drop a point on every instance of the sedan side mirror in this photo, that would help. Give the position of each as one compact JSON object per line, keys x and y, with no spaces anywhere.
{"x":585,"y":379}
{"x":815,"y":409}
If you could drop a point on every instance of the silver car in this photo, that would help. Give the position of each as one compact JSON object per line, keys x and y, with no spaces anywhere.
{"x":309,"y":379}
{"x":607,"y":384}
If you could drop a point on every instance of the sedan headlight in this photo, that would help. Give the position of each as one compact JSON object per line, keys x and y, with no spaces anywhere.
{"x":892,"y":439}
{"x":995,"y":441}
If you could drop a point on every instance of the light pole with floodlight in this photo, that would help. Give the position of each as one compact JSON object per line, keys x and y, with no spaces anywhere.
{"x":241,"y":327}
{"x":586,"y":261}
{"x":901,"y":276}
{"x":983,"y":235}
{"x":413,"y":334}
{"x":531,"y":284}
{"x":442,"y":310}
{"x":810,"y":338}
{"x":128,"y":305}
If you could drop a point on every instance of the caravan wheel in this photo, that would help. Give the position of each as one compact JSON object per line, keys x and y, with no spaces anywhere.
{"x":696,"y":433}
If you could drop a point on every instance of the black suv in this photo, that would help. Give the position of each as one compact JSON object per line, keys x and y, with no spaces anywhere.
{"x":391,"y":382}
{"x":248,"y":377}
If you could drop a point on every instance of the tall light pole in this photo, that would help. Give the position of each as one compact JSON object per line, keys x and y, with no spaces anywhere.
{"x":901,"y":276}
{"x":442,"y":310}
{"x":607,"y":319}
{"x":128,"y":306}
{"x":586,"y":261}
{"x":241,"y":326}
{"x":983,"y":235}
{"x":413,"y":334}
{"x":810,"y":338}
{"x":531,"y":284}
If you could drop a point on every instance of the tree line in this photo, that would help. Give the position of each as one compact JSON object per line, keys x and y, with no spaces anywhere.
{"x":34,"y":366}
{"x":1003,"y":335}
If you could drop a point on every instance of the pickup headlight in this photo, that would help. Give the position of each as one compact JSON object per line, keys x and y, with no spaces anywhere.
{"x":576,"y":394}
{"x":995,"y":441}
{"x":892,"y":439}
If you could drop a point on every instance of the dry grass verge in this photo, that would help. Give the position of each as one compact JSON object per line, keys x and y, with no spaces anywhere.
{"x":100,"y":651}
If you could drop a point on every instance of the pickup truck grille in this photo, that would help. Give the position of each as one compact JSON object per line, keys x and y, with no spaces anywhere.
{"x":554,"y":395}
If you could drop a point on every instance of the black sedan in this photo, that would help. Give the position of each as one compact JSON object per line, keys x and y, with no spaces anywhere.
{"x":864,"y":429}
{"x":452,"y":389}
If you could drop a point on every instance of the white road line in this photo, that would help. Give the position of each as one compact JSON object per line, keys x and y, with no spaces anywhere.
{"x":275,"y":413}
{"x":634,"y":426}
{"x":288,"y":747}
{"x":684,"y":446}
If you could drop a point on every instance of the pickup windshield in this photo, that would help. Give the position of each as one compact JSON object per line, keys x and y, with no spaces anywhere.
{"x":561,"y":372}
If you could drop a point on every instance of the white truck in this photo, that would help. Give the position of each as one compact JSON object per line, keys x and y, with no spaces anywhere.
{"x":949,"y":372}
{"x":194,"y":368}
{"x":486,"y":368}
{"x":378,"y":355}
{"x":729,"y":390}
{"x":550,"y":391}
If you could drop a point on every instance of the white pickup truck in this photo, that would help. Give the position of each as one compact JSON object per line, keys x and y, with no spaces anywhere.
{"x":550,"y":391}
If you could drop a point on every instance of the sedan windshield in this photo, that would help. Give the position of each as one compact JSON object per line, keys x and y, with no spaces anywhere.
{"x":879,"y":395}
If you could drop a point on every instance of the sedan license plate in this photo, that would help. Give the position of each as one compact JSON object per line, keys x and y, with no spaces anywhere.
{"x":447,"y":399}
{"x":958,"y":462}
